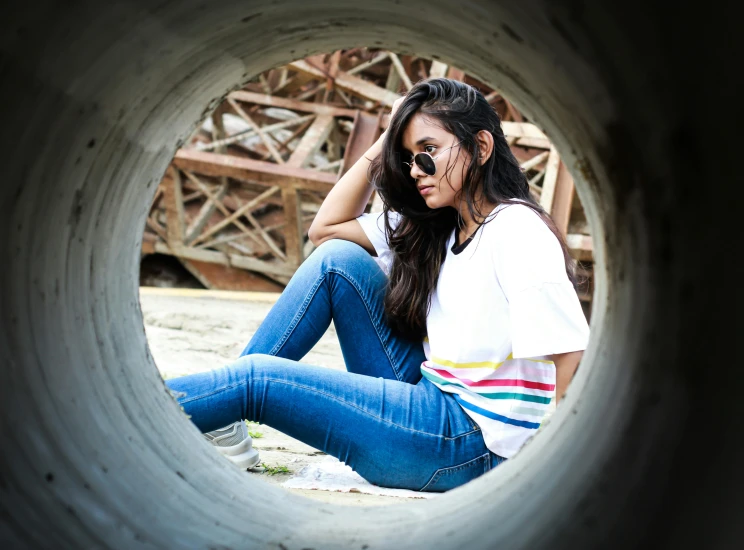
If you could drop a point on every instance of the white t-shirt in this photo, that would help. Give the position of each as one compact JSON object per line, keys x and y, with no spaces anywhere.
{"x":501,"y":305}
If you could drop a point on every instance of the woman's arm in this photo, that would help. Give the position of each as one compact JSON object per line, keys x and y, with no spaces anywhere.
{"x":346,"y":201}
{"x":336,"y":218}
{"x":565,"y":367}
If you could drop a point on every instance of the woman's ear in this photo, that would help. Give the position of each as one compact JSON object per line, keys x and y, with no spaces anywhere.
{"x":484,"y":139}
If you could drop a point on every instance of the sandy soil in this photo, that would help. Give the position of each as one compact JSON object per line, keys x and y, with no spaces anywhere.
{"x":192,"y":331}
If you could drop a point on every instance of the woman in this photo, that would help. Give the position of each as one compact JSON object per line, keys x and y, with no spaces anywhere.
{"x":453,"y":357}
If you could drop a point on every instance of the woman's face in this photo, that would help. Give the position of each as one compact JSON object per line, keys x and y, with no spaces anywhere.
{"x":423,"y":135}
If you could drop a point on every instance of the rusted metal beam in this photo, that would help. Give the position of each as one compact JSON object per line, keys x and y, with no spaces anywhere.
{"x":173,"y":201}
{"x":350,"y":83}
{"x":293,"y":234}
{"x":557,"y":191}
{"x":367,"y":64}
{"x":401,"y":71}
{"x":522,"y":130}
{"x":291,"y":104}
{"x":242,"y":211}
{"x":221,"y":207}
{"x":438,"y":69}
{"x":580,"y":246}
{"x":365,"y":132}
{"x":311,"y":141}
{"x":551,"y":177}
{"x":235,"y":260}
{"x":212,"y":164}
{"x":456,"y":74}
{"x":206,"y":211}
{"x":256,"y":128}
{"x":563,"y":198}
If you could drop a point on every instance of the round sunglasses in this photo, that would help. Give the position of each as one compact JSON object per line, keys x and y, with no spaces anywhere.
{"x":426,"y":162}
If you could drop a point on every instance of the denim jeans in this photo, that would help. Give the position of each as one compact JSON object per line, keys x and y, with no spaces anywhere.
{"x":393,"y":427}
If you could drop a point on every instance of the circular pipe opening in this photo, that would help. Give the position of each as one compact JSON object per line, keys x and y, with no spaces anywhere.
{"x":100,"y":453}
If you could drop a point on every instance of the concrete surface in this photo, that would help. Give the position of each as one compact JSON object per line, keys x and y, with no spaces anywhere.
{"x":641,"y":101}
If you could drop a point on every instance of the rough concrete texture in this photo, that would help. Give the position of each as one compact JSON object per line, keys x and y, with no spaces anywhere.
{"x":97,"y":96}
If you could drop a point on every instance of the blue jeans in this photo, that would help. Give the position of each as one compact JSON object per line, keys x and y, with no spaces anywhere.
{"x":393,"y":427}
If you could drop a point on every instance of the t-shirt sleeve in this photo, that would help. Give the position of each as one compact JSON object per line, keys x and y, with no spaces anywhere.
{"x":373,"y":225}
{"x":545,"y":315}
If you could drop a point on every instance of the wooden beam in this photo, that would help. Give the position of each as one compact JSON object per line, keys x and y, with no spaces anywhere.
{"x":456,"y":74}
{"x":351,"y":84}
{"x":222,"y":277}
{"x":536,"y":191}
{"x":224,"y":239}
{"x":516,"y":116}
{"x":256,"y":128}
{"x":580,"y":246}
{"x":534,"y":161}
{"x":307,"y":121}
{"x":534,"y":143}
{"x":205,"y":213}
{"x":236,"y":260}
{"x":333,"y":69}
{"x":563,"y":198}
{"x":291,"y":104}
{"x":293,"y":230}
{"x":522,"y":130}
{"x":243,"y":210}
{"x":155,"y":226}
{"x":240,"y":136}
{"x":266,"y":237}
{"x":551,"y":176}
{"x":174,"y":214}
{"x":401,"y":71}
{"x":221,"y":207}
{"x":312,"y":141}
{"x":494,"y":95}
{"x":367,"y":64}
{"x":212,"y":164}
{"x":438,"y":69}
{"x":392,"y":82}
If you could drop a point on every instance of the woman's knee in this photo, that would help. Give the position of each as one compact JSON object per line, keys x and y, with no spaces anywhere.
{"x":339,"y":254}
{"x":252,"y":365}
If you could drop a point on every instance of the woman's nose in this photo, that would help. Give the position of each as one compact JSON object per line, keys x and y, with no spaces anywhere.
{"x":416,"y":172}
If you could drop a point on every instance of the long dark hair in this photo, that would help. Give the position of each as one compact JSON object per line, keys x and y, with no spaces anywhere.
{"x":418,"y":243}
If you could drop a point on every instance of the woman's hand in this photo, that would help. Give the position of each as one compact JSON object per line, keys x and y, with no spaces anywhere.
{"x":396,"y":105}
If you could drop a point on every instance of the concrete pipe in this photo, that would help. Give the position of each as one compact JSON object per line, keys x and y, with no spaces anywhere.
{"x":96,"y":97}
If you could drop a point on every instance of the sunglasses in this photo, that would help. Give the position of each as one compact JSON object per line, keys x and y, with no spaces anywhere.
{"x":426,"y":162}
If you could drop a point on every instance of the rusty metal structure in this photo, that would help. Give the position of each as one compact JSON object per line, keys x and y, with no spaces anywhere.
{"x":236,"y":202}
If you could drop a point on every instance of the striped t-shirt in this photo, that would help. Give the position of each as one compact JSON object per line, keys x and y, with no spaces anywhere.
{"x":503,"y":304}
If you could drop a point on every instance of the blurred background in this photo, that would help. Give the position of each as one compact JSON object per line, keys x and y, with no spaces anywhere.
{"x":233,"y":209}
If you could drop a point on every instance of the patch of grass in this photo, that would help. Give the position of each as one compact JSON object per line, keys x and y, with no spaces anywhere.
{"x":255,"y":435}
{"x":273,"y":470}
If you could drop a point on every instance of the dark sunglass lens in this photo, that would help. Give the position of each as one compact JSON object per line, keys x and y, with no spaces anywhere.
{"x":426,"y":163}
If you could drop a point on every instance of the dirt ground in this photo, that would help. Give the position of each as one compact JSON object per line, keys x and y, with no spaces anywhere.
{"x":192,"y":331}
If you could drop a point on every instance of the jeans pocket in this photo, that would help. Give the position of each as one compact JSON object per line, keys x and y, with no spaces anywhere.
{"x":445,"y":479}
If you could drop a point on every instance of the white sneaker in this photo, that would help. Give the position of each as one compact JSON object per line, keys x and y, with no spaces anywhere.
{"x":234,"y":443}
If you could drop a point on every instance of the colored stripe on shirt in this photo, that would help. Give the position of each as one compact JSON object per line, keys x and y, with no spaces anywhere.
{"x":495,"y":416}
{"x":497,"y":382}
{"x":529,"y":398}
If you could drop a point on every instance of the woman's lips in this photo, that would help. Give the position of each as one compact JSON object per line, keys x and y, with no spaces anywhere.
{"x":426,"y":189}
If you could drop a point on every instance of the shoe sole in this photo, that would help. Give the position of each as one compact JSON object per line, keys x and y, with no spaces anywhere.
{"x":234,"y":450}
{"x":243,"y":454}
{"x":244,"y":460}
